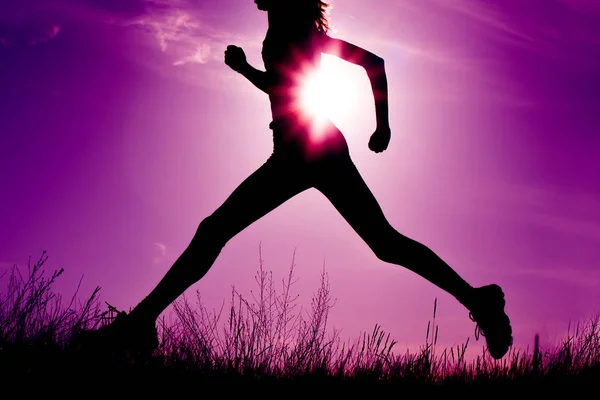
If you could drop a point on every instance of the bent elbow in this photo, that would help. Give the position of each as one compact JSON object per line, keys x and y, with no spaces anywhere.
{"x":374,"y":63}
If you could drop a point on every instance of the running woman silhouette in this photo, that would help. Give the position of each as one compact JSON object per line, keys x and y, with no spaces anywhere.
{"x":303,"y":158}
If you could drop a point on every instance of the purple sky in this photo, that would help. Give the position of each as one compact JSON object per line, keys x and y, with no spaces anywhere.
{"x":121,"y":128}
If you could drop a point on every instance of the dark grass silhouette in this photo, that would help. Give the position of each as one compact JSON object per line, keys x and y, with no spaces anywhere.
{"x":265,"y":341}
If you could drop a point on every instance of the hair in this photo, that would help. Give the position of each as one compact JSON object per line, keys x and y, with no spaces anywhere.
{"x":320,"y":13}
{"x":317,"y":11}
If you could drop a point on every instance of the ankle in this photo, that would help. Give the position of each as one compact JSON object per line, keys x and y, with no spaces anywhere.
{"x":138,"y":316}
{"x":468,"y":298}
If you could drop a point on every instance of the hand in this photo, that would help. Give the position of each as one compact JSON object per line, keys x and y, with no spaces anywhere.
{"x":235,"y":58}
{"x":380,"y":139}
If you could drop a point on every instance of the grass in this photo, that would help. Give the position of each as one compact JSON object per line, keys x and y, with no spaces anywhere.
{"x":265,"y":339}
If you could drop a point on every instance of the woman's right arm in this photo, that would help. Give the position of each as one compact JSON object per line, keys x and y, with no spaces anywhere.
{"x":236,"y":59}
{"x":256,"y":77}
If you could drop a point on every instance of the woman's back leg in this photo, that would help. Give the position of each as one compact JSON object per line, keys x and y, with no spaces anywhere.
{"x":268,"y":187}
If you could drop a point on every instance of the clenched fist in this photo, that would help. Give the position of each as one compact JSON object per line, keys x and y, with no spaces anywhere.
{"x":235,"y":58}
{"x":380,"y":139}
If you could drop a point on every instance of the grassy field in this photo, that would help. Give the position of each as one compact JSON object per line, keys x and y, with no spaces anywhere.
{"x":266,"y":341}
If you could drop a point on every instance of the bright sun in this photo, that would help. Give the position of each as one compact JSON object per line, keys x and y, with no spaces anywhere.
{"x":331,"y":92}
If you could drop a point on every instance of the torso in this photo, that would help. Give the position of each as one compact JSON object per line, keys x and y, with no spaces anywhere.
{"x":287,"y":59}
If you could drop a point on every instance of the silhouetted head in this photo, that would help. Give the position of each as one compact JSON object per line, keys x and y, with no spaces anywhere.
{"x":312,"y":13}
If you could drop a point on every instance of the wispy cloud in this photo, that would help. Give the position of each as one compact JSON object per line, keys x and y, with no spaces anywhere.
{"x":187,"y":36}
{"x":47,"y":36}
{"x":160,"y":253}
{"x":177,"y":28}
{"x":171,"y":26}
{"x":30,"y":22}
{"x":201,"y":56}
{"x":29,"y":33}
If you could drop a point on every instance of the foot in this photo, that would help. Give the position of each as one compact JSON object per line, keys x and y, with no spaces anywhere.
{"x":124,"y":337}
{"x":487,"y":311}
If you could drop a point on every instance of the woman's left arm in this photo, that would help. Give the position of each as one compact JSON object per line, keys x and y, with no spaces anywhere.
{"x":375,"y":69}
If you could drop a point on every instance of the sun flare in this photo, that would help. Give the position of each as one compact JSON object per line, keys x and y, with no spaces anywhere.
{"x":330,"y":92}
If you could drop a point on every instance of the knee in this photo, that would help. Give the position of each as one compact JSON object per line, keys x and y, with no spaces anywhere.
{"x":395,"y":248}
{"x":385,"y":244}
{"x":210,"y":232}
{"x":385,"y":253}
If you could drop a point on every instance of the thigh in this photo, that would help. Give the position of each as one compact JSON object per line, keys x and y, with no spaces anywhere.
{"x":264,"y":190}
{"x":340,"y":181}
